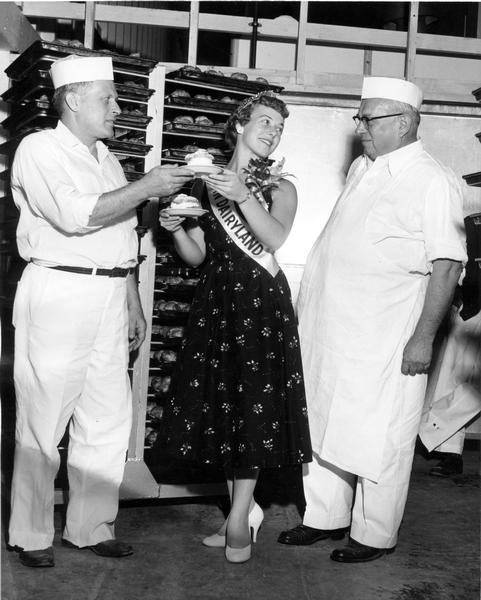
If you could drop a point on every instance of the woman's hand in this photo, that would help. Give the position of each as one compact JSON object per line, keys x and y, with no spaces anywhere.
{"x":229,"y":184}
{"x":170,"y":222}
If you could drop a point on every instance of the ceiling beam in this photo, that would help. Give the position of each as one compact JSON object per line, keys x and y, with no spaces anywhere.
{"x":16,"y":32}
{"x":279,"y":28}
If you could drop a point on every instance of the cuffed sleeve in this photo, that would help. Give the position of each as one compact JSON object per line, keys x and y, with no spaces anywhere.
{"x":51,"y":191}
{"x":443,"y":223}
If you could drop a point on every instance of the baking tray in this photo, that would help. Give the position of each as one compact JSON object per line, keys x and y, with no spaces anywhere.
{"x":223,"y":81}
{"x":130,"y":92}
{"x":168,"y":291}
{"x":26,"y":112}
{"x":133,"y":176}
{"x":173,"y":283}
{"x":170,"y":318}
{"x":37,"y":84}
{"x":473,"y":179}
{"x":129,"y":120}
{"x":165,"y":256}
{"x":162,"y":341}
{"x":177,"y":269}
{"x":135,"y":166}
{"x":137,"y":149}
{"x":193,"y":128}
{"x":43,"y":53}
{"x":41,"y":119}
{"x":196,"y":104}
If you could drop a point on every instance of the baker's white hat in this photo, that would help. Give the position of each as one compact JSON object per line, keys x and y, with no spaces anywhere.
{"x":392,"y":89}
{"x":74,"y":69}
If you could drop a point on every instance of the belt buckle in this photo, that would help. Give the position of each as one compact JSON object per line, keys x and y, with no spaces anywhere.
{"x":117,"y":272}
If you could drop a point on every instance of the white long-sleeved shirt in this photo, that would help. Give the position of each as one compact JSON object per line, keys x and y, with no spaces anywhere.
{"x":56,"y":183}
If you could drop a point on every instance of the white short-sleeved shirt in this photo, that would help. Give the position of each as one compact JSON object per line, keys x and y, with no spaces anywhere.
{"x":56,"y":183}
{"x":419,"y":220}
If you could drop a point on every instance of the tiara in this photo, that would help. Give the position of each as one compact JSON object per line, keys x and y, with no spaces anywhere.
{"x":251,"y":99}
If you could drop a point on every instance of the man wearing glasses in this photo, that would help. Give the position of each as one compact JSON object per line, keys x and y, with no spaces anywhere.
{"x":375,"y":288}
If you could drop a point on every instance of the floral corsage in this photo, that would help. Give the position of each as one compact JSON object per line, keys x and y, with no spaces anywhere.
{"x":263,"y":175}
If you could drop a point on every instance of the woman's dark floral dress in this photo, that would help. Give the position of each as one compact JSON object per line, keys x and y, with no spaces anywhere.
{"x":239,"y":397}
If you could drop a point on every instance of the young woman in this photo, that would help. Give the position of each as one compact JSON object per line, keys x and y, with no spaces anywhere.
{"x":239,"y":394}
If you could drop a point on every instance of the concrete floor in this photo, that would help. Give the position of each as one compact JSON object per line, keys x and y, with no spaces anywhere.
{"x":437,"y":557}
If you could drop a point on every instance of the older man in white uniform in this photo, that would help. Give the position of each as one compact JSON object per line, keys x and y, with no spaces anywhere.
{"x":77,"y":314}
{"x":376,"y":286}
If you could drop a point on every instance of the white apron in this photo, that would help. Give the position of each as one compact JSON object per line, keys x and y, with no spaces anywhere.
{"x":357,"y":310}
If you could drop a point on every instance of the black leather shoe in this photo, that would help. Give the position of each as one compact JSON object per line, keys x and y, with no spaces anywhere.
{"x":450,"y":464}
{"x":113,"y":548}
{"x":37,"y":558}
{"x":355,"y":552}
{"x":302,"y":535}
{"x":110,"y":548}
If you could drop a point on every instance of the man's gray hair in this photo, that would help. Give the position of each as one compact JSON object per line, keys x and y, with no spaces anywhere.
{"x":58,"y":98}
{"x":403,"y":107}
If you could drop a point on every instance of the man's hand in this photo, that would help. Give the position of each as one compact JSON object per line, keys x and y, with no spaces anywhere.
{"x":439,"y":294}
{"x":159,"y":181}
{"x":166,"y":180}
{"x":137,"y":327}
{"x":417,"y":356}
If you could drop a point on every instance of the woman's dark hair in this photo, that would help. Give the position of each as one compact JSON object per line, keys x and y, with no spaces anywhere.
{"x":243,"y":113}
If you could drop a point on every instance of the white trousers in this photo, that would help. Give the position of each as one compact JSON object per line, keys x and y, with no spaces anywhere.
{"x":336,"y":498}
{"x":71,"y":358}
{"x":454,"y":444}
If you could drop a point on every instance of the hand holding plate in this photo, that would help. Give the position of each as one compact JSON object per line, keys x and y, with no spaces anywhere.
{"x":229,"y":184}
{"x":171,"y":223}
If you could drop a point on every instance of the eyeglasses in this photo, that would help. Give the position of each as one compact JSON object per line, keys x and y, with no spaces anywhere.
{"x":366,"y":120}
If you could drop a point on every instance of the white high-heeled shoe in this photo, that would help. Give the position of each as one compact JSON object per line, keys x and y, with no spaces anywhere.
{"x":256,"y":516}
{"x":238,"y":555}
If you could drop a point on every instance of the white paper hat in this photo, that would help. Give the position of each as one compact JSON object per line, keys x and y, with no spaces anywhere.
{"x":392,"y":89}
{"x":74,"y":69}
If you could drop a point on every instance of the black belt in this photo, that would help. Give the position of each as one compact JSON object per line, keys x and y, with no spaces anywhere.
{"x":116,"y":272}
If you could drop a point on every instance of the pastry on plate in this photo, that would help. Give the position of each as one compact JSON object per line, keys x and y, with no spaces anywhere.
{"x":200,"y":157}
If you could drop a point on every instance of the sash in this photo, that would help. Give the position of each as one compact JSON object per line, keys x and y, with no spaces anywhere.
{"x":237,"y":229}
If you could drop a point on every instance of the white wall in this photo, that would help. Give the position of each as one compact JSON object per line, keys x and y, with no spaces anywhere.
{"x":319,"y":144}
{"x":281,"y":55}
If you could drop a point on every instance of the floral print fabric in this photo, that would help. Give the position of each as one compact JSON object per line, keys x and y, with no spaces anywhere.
{"x":238,"y":393}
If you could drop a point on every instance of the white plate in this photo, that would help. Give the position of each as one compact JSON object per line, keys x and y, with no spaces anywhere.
{"x":187,"y":212}
{"x":204,"y":169}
